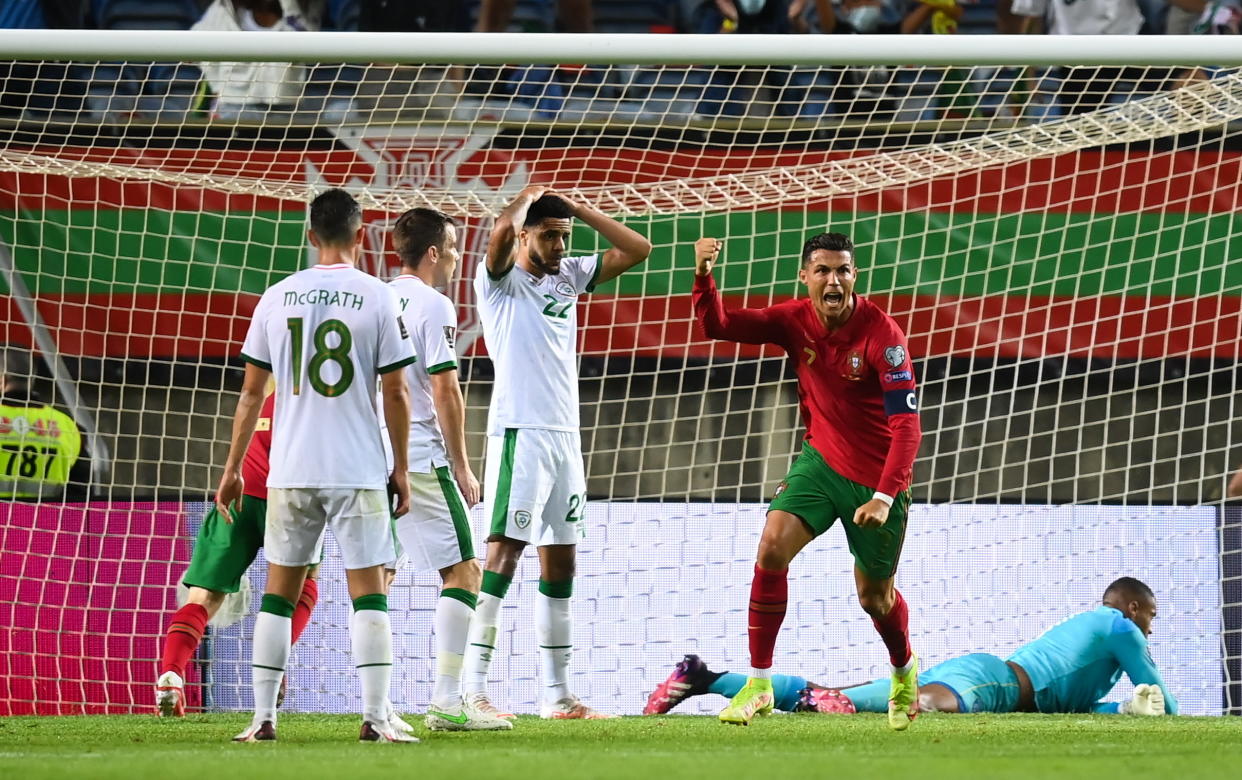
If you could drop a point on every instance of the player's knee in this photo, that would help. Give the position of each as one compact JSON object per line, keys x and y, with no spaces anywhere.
{"x":937,"y":698}
{"x":772,"y":554}
{"x":209,"y":599}
{"x":783,"y":536}
{"x":362,"y":582}
{"x":467,"y":575}
{"x":503,"y":554}
{"x":556,"y":568}
{"x":877,"y":604}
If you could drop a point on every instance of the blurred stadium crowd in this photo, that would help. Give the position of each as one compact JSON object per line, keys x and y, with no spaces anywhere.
{"x":331,"y":93}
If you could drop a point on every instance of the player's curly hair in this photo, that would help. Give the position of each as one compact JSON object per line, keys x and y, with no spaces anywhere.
{"x":547,"y":207}
{"x":832,"y":242}
{"x":1128,"y":587}
{"x":416,"y":231}
{"x":335,"y":216}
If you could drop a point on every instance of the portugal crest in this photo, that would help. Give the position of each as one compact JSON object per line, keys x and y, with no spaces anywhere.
{"x":854,"y":365}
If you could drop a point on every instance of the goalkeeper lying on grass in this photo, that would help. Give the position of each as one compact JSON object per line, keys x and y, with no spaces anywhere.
{"x":1070,"y":668}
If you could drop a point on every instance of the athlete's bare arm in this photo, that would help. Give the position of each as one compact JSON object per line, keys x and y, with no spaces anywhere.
{"x":502,"y":245}
{"x":629,"y":247}
{"x":249,"y":404}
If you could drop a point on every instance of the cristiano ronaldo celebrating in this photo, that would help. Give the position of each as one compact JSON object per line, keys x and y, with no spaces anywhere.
{"x":856,"y":391}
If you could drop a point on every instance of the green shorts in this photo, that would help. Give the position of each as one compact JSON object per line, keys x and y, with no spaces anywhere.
{"x":818,"y":496}
{"x":223,"y":551}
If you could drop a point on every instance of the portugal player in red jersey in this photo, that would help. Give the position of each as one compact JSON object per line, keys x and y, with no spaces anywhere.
{"x":856,"y":391}
{"x":224,"y":550}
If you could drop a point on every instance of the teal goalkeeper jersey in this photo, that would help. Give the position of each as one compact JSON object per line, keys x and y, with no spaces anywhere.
{"x":1074,"y":664}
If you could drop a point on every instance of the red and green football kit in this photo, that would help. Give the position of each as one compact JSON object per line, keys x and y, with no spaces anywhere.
{"x":857,"y":395}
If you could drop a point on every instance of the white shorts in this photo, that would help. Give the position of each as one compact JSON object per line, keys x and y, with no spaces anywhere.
{"x":359,"y":519}
{"x":535,"y":486}
{"x":435,"y":533}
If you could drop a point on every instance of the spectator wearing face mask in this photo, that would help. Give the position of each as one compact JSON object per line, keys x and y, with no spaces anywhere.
{"x":857,"y":16}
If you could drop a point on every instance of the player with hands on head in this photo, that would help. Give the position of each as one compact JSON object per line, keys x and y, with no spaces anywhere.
{"x":857,"y":394}
{"x":527,"y":290}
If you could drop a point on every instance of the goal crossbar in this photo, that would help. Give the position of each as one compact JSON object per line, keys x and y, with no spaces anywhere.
{"x":557,"y":48}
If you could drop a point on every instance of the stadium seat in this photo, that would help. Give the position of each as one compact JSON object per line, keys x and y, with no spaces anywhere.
{"x":169,"y":91}
{"x":147,"y":14}
{"x":528,"y":15}
{"x":978,"y":18}
{"x":342,"y":15}
{"x":633,"y":16}
{"x":159,"y":90}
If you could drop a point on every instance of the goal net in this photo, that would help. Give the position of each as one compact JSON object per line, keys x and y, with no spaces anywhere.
{"x":1060,"y":243}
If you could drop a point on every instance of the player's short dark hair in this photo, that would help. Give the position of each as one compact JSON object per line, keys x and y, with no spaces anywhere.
{"x":335,"y":216}
{"x":416,"y":231}
{"x":547,"y":207}
{"x":1130,"y":588}
{"x":832,"y":242}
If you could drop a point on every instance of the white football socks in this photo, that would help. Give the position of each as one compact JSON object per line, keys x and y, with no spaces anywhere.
{"x":554,"y":628}
{"x":452,"y":626}
{"x":370,"y":633}
{"x":481,"y":643}
{"x":268,"y":658}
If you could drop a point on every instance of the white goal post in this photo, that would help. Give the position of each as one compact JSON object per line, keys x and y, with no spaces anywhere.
{"x":621,"y":49}
{"x":1054,"y":220}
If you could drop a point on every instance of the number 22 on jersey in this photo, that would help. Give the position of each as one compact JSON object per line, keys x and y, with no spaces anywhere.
{"x":552,"y":311}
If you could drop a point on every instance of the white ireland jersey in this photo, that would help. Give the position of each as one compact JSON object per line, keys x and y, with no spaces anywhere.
{"x":431,"y":321}
{"x":1084,"y":17}
{"x":326,"y":333}
{"x":530,"y":324}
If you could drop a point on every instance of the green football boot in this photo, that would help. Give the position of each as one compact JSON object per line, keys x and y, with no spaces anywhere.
{"x":903,"y":697}
{"x":754,"y":699}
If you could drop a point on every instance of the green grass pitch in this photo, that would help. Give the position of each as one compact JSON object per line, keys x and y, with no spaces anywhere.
{"x":955,"y":747}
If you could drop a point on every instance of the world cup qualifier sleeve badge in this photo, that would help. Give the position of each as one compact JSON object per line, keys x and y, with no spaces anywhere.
{"x":895,"y":355}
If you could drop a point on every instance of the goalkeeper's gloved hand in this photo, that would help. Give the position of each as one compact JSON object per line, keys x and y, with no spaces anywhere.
{"x":1147,"y":700}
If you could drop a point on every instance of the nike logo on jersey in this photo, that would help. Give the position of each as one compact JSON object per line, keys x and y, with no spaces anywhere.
{"x":810,"y":355}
